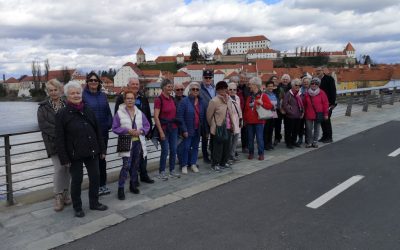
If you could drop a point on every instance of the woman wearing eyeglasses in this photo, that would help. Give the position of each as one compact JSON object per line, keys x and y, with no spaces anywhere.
{"x":294,"y":111}
{"x":191,"y":117}
{"x":237,"y":120}
{"x":97,"y":101}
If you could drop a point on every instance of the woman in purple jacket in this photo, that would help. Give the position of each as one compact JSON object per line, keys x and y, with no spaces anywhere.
{"x":294,"y":111}
{"x":130,"y":120}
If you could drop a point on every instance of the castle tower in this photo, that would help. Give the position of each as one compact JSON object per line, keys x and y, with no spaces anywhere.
{"x":140,"y":56}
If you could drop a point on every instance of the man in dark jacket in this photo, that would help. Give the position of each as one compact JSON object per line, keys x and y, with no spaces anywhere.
{"x":329,"y":87}
{"x":141,"y":103}
{"x":207,"y":92}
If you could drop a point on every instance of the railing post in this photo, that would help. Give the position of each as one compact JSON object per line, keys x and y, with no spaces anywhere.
{"x":365,"y":106}
{"x":393,"y":96}
{"x":7,"y":150}
{"x":349,"y":105}
{"x":380,"y":100}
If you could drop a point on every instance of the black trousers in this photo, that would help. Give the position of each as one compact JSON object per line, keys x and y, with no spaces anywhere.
{"x":220,"y":151}
{"x":243,"y":136}
{"x":76,"y":171}
{"x":204,"y":144}
{"x":268,"y":131}
{"x":278,"y":126}
{"x":103,"y":166}
{"x":302,"y":130}
{"x":292,"y":128}
{"x":143,"y":168}
{"x":326,"y":126}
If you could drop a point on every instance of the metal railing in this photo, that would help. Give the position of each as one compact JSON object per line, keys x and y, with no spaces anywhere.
{"x":25,"y":167}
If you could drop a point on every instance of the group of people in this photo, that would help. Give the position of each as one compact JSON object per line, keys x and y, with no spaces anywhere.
{"x":75,"y":129}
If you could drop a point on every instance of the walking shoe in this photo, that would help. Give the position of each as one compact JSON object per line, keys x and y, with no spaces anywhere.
{"x":163,"y":176}
{"x":99,"y":207}
{"x":184,"y":170}
{"x":322,"y":139}
{"x":261,"y":157}
{"x":134,"y":189}
{"x":67,"y":198}
{"x":314,"y":145}
{"x":308,"y":145}
{"x":147,"y":180}
{"x":79,"y":213}
{"x":58,"y":202}
{"x":216,"y":168}
{"x":327,"y":141}
{"x":224,"y":166}
{"x":121,"y":194}
{"x":194,"y":168}
{"x":104,"y":190}
{"x":173,"y":174}
{"x":236,"y":158}
{"x":251,"y":156}
{"x":230,"y":162}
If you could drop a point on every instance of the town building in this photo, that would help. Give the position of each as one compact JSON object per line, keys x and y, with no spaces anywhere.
{"x":140,"y":56}
{"x":240,"y":45}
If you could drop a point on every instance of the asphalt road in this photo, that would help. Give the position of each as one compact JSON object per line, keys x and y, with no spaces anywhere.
{"x":267,"y":209}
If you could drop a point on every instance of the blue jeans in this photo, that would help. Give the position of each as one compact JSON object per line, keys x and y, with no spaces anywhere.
{"x":257,"y":131}
{"x":168,"y":145}
{"x":189,"y":150}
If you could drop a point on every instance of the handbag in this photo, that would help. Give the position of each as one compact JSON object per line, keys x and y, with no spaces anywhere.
{"x":263,"y":113}
{"x":124,"y":143}
{"x":221,"y":132}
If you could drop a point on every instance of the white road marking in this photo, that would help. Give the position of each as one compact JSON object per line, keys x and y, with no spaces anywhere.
{"x":333,"y":192}
{"x":395,"y":153}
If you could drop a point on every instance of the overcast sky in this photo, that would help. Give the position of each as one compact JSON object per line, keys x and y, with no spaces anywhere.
{"x":86,"y":34}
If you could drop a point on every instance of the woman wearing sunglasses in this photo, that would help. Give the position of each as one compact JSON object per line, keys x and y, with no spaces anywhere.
{"x":191,"y":117}
{"x":97,"y":101}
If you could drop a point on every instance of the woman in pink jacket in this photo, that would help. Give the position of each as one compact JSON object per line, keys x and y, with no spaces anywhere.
{"x":316,"y":110}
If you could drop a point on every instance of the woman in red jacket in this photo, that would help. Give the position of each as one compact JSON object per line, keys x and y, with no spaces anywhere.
{"x":316,"y":110}
{"x":255,"y":126}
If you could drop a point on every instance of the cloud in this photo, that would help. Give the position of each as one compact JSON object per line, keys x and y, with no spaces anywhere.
{"x":99,"y":35}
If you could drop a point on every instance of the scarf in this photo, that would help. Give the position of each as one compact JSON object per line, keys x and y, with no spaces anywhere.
{"x":298,"y":98}
{"x":313,"y":92}
{"x":56,"y":106}
{"x":79,"y":106}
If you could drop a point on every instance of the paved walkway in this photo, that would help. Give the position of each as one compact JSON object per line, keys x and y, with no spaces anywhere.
{"x":37,"y":226}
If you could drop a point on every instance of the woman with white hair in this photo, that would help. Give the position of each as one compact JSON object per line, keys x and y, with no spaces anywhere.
{"x":79,"y":141}
{"x":316,"y":107}
{"x":255,"y":125}
{"x":294,"y":111}
{"x":46,"y":116}
{"x":305,"y":84}
{"x":191,"y":116}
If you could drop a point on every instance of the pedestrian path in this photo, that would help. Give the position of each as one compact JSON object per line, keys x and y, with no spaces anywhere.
{"x":37,"y":226}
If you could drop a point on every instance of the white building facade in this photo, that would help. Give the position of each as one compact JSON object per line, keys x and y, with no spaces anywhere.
{"x":240,"y":45}
{"x":123,"y":74}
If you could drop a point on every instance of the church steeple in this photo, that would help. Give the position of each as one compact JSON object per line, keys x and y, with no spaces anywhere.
{"x":140,"y":56}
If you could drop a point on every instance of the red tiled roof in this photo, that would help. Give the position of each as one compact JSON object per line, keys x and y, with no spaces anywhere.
{"x":180,"y":55}
{"x":134,"y":68}
{"x":234,"y":73}
{"x":163,"y":59}
{"x":264,"y":65}
{"x":217,"y":52}
{"x":396,"y":73}
{"x":252,"y":51}
{"x":218,"y":72}
{"x":225,"y":66}
{"x":140,"y":52}
{"x":196,"y":67}
{"x":250,"y":68}
{"x":11,"y":80}
{"x":245,"y":39}
{"x":59,"y":74}
{"x":349,"y":47}
{"x":167,"y":74}
{"x":79,"y":78}
{"x":151,"y":72}
{"x":181,"y":74}
{"x":27,"y":79}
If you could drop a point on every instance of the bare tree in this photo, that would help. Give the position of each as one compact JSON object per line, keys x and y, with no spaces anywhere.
{"x":46,"y":69}
{"x":205,"y":53}
{"x":34,"y":75}
{"x":66,"y":76}
{"x":297,"y":50}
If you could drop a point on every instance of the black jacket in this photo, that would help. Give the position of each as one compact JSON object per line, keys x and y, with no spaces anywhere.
{"x":329,"y":87}
{"x":144,"y":107}
{"x":47,"y":123}
{"x":78,"y":135}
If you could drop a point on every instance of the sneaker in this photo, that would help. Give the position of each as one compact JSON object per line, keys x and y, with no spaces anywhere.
{"x":327,"y":141}
{"x":101,"y":191}
{"x":224,"y":166}
{"x":194,"y":168}
{"x":106,"y":190}
{"x":163,"y":176}
{"x":216,"y":168}
{"x":308,"y":146}
{"x":58,"y":202}
{"x":173,"y":174}
{"x":184,"y":170}
{"x":230,"y":162}
{"x":121,"y":194}
{"x":236,"y":158}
